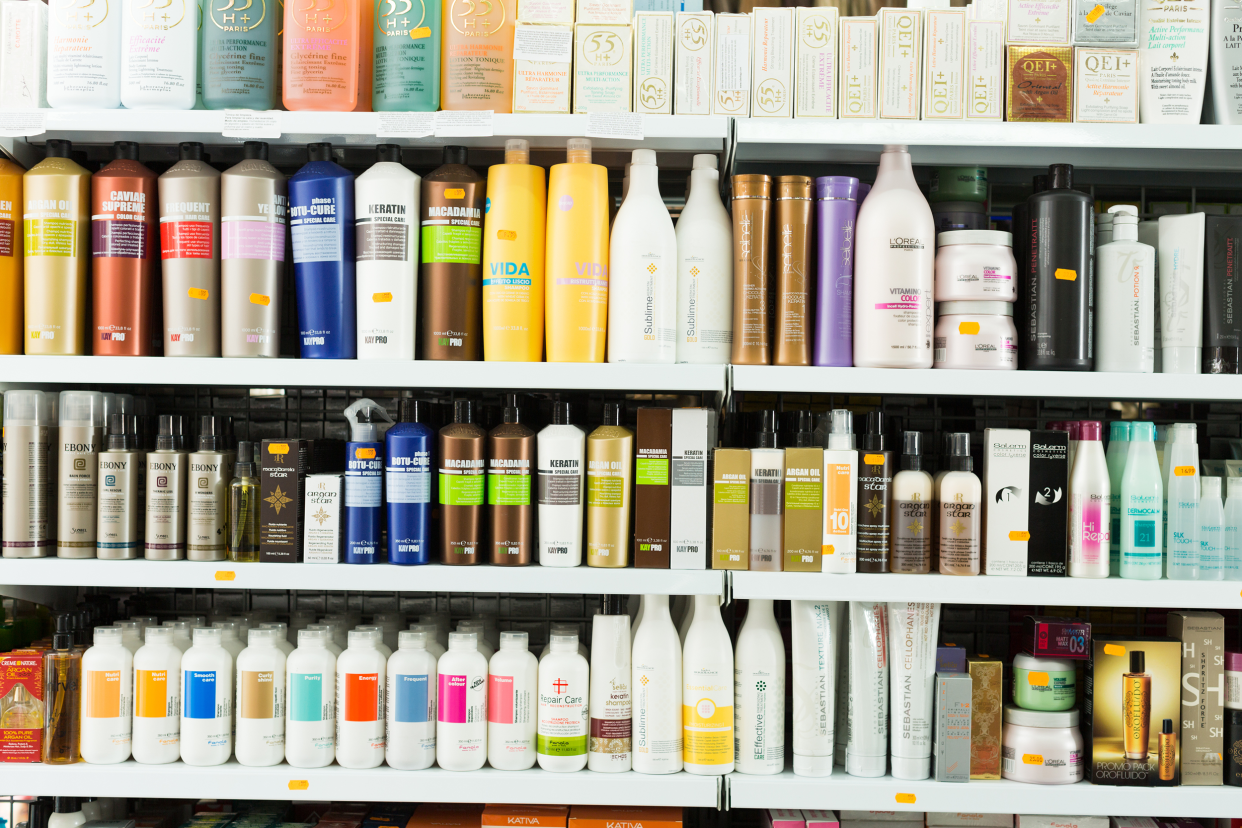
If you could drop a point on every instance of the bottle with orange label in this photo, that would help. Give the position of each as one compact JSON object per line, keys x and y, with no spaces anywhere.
{"x":323,"y":55}
{"x":840,"y":550}
{"x":10,"y":257}
{"x":478,"y":55}
{"x":364,"y":481}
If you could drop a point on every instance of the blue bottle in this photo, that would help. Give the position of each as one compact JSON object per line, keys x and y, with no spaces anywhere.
{"x":364,"y":482}
{"x":321,"y":217}
{"x":407,"y":451}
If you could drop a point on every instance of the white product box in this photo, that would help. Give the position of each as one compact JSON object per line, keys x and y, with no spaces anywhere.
{"x":603,"y":68}
{"x":1006,"y":479}
{"x":1035,"y":821}
{"x":23,"y":54}
{"x":815,"y":817}
{"x":991,"y":10}
{"x":772,"y":62}
{"x":1106,"y":24}
{"x":542,"y":86}
{"x":858,"y":67}
{"x":985,"y":70}
{"x":937,"y":820}
{"x":694,"y":437}
{"x":693,"y":85}
{"x":613,"y":12}
{"x":815,"y":63}
{"x":731,"y":69}
{"x":653,"y":62}
{"x":900,"y":42}
{"x":321,"y":537}
{"x":673,"y":6}
{"x":1106,"y":86}
{"x":944,"y":56}
{"x":1042,"y":22}
{"x":545,"y":11}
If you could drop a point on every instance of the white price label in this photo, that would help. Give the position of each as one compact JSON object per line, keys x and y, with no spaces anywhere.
{"x":627,"y":126}
{"x":246,"y":123}
{"x":464,"y":124}
{"x":406,"y":124}
{"x":22,"y":123}
{"x":551,"y":44}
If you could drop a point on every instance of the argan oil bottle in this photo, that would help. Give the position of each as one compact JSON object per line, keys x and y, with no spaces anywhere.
{"x":610,"y":462}
{"x":1168,"y":752}
{"x":244,"y":508}
{"x":62,"y":683}
{"x":461,"y":479}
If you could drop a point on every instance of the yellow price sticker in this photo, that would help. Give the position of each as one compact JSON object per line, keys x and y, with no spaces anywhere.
{"x":225,"y":575}
{"x":1095,"y":14}
{"x":873,"y":459}
{"x":364,"y":454}
{"x":425,"y":31}
{"x":1066,"y":274}
{"x":278,"y":448}
{"x":381,"y":297}
{"x":506,"y":235}
{"x":299,"y":784}
{"x":905,"y":798}
{"x":1114,"y":649}
{"x":198,"y":293}
{"x":455,"y":192}
{"x":1183,"y":471}
{"x":828,"y":549}
{"x":1032,"y":759}
{"x":968,"y":328}
{"x":1018,"y":535}
{"x":260,"y":299}
{"x":1037,"y":678}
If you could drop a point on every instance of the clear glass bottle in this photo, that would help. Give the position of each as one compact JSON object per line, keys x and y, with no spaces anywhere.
{"x":244,"y":508}
{"x":62,"y":683}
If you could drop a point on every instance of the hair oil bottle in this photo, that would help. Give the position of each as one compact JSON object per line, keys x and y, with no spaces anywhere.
{"x":386,"y":196}
{"x":123,"y":223}
{"x":752,"y":204}
{"x":27,"y":420}
{"x":190,"y":251}
{"x":208,"y":528}
{"x":792,"y":240}
{"x":57,"y":247}
{"x":1136,"y":707}
{"x":244,"y":507}
{"x":167,"y":470}
{"x":511,"y":515}
{"x":11,"y":259}
{"x":451,"y":212}
{"x":80,"y":435}
{"x":461,"y":490}
{"x":62,"y":703}
{"x":609,"y":483}
{"x":513,"y":257}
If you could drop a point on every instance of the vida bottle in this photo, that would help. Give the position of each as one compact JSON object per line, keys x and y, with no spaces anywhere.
{"x":364,"y":481}
{"x":190,"y":252}
{"x":576,"y":305}
{"x":310,"y":721}
{"x":452,"y":232}
{"x":704,"y":320}
{"x":157,"y":699}
{"x":239,"y":53}
{"x":835,"y":215}
{"x":81,"y":438}
{"x":11,"y":259}
{"x":656,"y":685}
{"x":564,"y":686}
{"x":461,"y":723}
{"x":410,"y":742}
{"x":1090,"y":506}
{"x":119,"y":531}
{"x":461,"y":486}
{"x":911,"y":505}
{"x":321,"y":218}
{"x":322,"y":56}
{"x":386,"y":196}
{"x":513,"y":258}
{"x":261,"y":701}
{"x":959,"y":495}
{"x":1126,"y":294}
{"x":510,"y":513}
{"x":707,"y":692}
{"x":767,"y":490}
{"x":360,"y":683}
{"x":759,"y":692}
{"x":56,"y":241}
{"x":752,"y":205}
{"x":478,"y":55}
{"x":107,"y":699}
{"x":512,"y":704}
{"x":609,"y":486}
{"x":792,"y":239}
{"x":407,"y":56}
{"x":407,"y":485}
{"x":207,"y":696}
{"x":84,"y":55}
{"x":123,"y":225}
{"x":254,"y":212}
{"x":159,"y":47}
{"x":561,"y":452}
{"x":894,"y":262}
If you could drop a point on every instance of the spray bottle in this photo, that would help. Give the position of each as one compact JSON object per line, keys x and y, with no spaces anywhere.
{"x":364,"y":481}
{"x":27,"y":415}
{"x":407,"y":453}
{"x":80,"y":435}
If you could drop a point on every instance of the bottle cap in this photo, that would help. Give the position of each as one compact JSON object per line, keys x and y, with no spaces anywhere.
{"x":612,"y":414}
{"x":578,"y":151}
{"x":114,"y":635}
{"x":118,"y":433}
{"x":766,"y":436}
{"x":560,"y":412}
{"x":1060,"y":177}
{"x":207,"y":636}
{"x":1138,"y":661}
{"x":1074,"y":427}
{"x":564,"y":643}
{"x":412,"y":640}
{"x":1166,"y":726}
{"x":874,"y":438}
{"x":961,"y":459}
{"x":1103,"y":218}
{"x":999,"y":238}
{"x":1120,"y":211}
{"x":912,"y":450}
{"x":513,"y":412}
{"x":363,"y":638}
{"x":842,"y":430}
{"x":66,"y":804}
{"x":57,"y":148}
{"x":313,"y":637}
{"x":279,"y":626}
{"x":906,"y":767}
{"x":804,"y":429}
{"x":228,"y":629}
{"x":152,"y":635}
{"x":1142,"y":432}
{"x":896,"y":148}
{"x":27,"y":408}
{"x":704,"y":162}
{"x":1209,"y":487}
{"x":455,"y":155}
{"x":1089,"y":430}
{"x":81,"y":408}
{"x":390,"y":153}
{"x":319,"y":151}
{"x":836,"y":188}
{"x":517,"y":151}
{"x":190,"y":151}
{"x":752,"y":186}
{"x":254,"y":150}
{"x":643,"y":158}
{"x":62,"y":639}
{"x":1039,"y":184}
{"x":797,"y":187}
{"x":463,"y":411}
{"x":812,"y":765}
{"x":262,"y":637}
{"x":463,"y":641}
{"x":1118,"y":430}
{"x":510,"y":640}
{"x":125,"y":150}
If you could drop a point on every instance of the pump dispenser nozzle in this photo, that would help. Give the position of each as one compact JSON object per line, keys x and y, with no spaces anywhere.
{"x":209,"y":433}
{"x":612,"y":414}
{"x":560,"y":411}
{"x":766,"y":436}
{"x":874,"y":439}
{"x":463,"y":411}
{"x":912,"y":451}
{"x":118,"y":433}
{"x":245,"y":459}
{"x":512,"y":413}
{"x":961,"y":459}
{"x":804,"y":430}
{"x":842,"y":430}
{"x":165,"y":440}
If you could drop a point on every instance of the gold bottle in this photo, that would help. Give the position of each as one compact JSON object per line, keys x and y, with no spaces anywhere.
{"x":11,"y":259}
{"x":1136,"y":706}
{"x":1168,"y":752}
{"x":56,"y":241}
{"x":610,"y":461}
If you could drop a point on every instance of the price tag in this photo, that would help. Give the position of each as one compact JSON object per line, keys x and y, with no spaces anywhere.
{"x":406,"y":124}
{"x":246,"y":123}
{"x":225,"y":575}
{"x":23,"y":123}
{"x":464,"y":124}
{"x":905,"y":798}
{"x":299,"y":784}
{"x":627,"y":126}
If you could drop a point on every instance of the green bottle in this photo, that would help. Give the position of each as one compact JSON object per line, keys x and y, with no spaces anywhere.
{"x":238,"y":53}
{"x":407,"y":56}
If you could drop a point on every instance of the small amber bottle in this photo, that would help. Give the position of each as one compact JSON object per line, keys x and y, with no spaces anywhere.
{"x":244,"y":508}
{"x":62,"y":683}
{"x":1168,"y":752}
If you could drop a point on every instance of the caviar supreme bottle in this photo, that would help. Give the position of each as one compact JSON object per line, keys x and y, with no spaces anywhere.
{"x":123,"y":226}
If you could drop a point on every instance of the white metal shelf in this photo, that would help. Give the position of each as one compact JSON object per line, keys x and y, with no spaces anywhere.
{"x":853,"y":793}
{"x":383,"y":784}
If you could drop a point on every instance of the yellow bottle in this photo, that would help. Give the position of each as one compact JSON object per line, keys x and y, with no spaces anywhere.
{"x":57,"y":247}
{"x":513,"y":246}
{"x":576,"y":315}
{"x":11,"y":260}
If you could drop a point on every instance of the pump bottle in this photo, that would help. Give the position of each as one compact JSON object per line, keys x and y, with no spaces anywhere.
{"x":80,"y":434}
{"x":1126,"y":295}
{"x":707,"y":692}
{"x":875,"y":477}
{"x":107,"y":698}
{"x":56,"y":244}
{"x":767,"y":490}
{"x":310,"y":714}
{"x":460,"y":450}
{"x":461,"y":724}
{"x":451,"y":213}
{"x":207,"y":531}
{"x":118,"y":529}
{"x":510,"y":514}
{"x":959,"y":494}
{"x":561,"y":451}
{"x":364,"y":481}
{"x":513,"y":258}
{"x":512,"y":704}
{"x":167,"y":475}
{"x":609,"y":486}
{"x":190,"y":253}
{"x":407,"y":489}
{"x":207,"y":700}
{"x":244,"y":507}
{"x":360,"y":684}
{"x":261,"y":701}
{"x":157,"y":699}
{"x":704,"y":318}
{"x":387,"y":249}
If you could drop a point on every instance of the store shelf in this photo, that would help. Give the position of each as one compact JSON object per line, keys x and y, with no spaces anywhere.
{"x":1033,"y":384}
{"x":234,"y":781}
{"x":1061,"y":592}
{"x":346,"y":373}
{"x":852,"y":793}
{"x":988,"y":143}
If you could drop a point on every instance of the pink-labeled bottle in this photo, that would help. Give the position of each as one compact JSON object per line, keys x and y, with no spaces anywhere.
{"x":1090,"y":501}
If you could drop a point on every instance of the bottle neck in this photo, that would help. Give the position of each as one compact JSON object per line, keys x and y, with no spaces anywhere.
{"x":644,"y":181}
{"x":704,"y":185}
{"x":897,"y":167}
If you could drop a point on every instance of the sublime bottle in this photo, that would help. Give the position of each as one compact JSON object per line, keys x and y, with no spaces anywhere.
{"x":56,"y":241}
{"x":253,"y":214}
{"x":244,"y":507}
{"x":167,"y":470}
{"x":461,"y":491}
{"x":704,"y":320}
{"x":707,"y":692}
{"x":407,"y":56}
{"x":11,"y":260}
{"x":322,"y":56}
{"x":207,"y":531}
{"x":576,"y":304}
{"x":190,"y":252}
{"x":656,"y":686}
{"x":321,"y":218}
{"x":81,"y":435}
{"x":386,"y":197}
{"x":875,"y":477}
{"x":510,"y":513}
{"x":238,"y":54}
{"x":959,"y":494}
{"x":561,"y":451}
{"x":119,"y":531}
{"x":912,"y":501}
{"x":609,"y":486}
{"x":451,"y":214}
{"x":752,"y":206}
{"x":123,"y":225}
{"x":767,"y":485}
{"x":792,"y":238}
{"x":407,"y":479}
{"x":513,"y":258}
{"x":759,"y":692}
{"x":478,"y":55}
{"x":84,"y":56}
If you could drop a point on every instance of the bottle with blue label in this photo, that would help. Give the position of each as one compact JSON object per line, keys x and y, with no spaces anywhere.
{"x":407,"y":452}
{"x":364,"y":481}
{"x":321,"y":217}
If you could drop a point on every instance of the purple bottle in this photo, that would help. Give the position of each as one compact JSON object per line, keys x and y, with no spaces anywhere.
{"x":834,"y":333}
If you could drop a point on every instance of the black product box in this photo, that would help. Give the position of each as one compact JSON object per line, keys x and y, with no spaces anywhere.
{"x":326,"y":456}
{"x":282,"y":499}
{"x":1047,"y":550}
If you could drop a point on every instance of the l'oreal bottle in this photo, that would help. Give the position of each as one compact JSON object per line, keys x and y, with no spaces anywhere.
{"x":836,"y":212}
{"x":609,"y":484}
{"x":1126,"y":295}
{"x":1090,"y":513}
{"x":386,"y":197}
{"x":561,"y":451}
{"x":244,"y":507}
{"x":407,"y":56}
{"x":208,"y":528}
{"x":167,"y":473}
{"x":704,"y":320}
{"x":364,"y":481}
{"x":81,"y":435}
{"x":11,"y":259}
{"x":959,"y":495}
{"x":25,"y":530}
{"x":451,"y":213}
{"x":1141,"y":506}
{"x":190,"y":253}
{"x":321,"y":217}
{"x":159,"y":54}
{"x":239,"y":54}
{"x":118,"y":532}
{"x":253,"y":214}
{"x":123,"y":225}
{"x":511,"y":518}
{"x":84,"y":56}
{"x":56,"y":243}
{"x":460,"y":451}
{"x":407,"y":478}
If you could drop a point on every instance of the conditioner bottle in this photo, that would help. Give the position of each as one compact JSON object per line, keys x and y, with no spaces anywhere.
{"x":564,"y":685}
{"x":611,"y":696}
{"x":792,"y":240}
{"x":707,"y":692}
{"x":512,"y":704}
{"x":1126,"y":294}
{"x":836,"y":213}
{"x":752,"y":205}
{"x":609,"y":483}
{"x":310,"y":713}
{"x":107,"y":699}
{"x":461,"y":723}
{"x":759,"y":691}
{"x":81,"y":435}
{"x":451,"y":212}
{"x":561,"y":452}
{"x":190,"y":253}
{"x":510,"y":512}
{"x":239,"y":54}
{"x":84,"y":56}
{"x":261,"y":701}
{"x":11,"y":259}
{"x":407,"y":485}
{"x":207,"y":700}
{"x":460,"y":450}
{"x":704,"y":321}
{"x":410,"y":742}
{"x":157,"y":699}
{"x":656,"y":685}
{"x":56,"y":241}
{"x":322,"y":56}
{"x":1089,"y":506}
{"x":386,"y":196}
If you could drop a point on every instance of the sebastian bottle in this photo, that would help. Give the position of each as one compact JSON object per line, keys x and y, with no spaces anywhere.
{"x":452,"y":248}
{"x":752,"y":204}
{"x":792,"y":238}
{"x":123,"y":224}
{"x":511,"y":515}
{"x":190,"y":254}
{"x":875,"y":477}
{"x":460,"y":451}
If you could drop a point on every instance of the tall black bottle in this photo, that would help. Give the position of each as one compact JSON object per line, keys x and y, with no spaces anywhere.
{"x":1020,"y":226}
{"x":1056,"y":326}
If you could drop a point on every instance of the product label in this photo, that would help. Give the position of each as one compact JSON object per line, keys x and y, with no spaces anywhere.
{"x":605,"y":491}
{"x":383,"y":238}
{"x":858,"y":70}
{"x":838,"y":493}
{"x":1106,"y":88}
{"x":505,"y":704}
{"x":50,"y":237}
{"x":899,"y":63}
{"x":6,"y":237}
{"x":453,"y":707}
{"x":102,"y":694}
{"x":1039,"y":21}
{"x":120,"y":239}
{"x":651,"y":471}
{"x":306,"y":701}
{"x":151,"y":697}
{"x":911,"y":535}
{"x":959,"y":534}
{"x":200,"y":694}
{"x":364,"y":481}
{"x":1089,"y":529}
{"x":765,"y":491}
{"x":362,"y":693}
{"x":185,"y":239}
{"x":610,"y":735}
{"x":454,"y":245}
{"x":409,"y":702}
{"x":731,"y":492}
{"x":562,"y":727}
{"x":708,"y":731}
{"x":560,"y":485}
{"x":804,"y":493}
{"x":252,"y":238}
{"x":1104,"y":22}
{"x":508,"y":487}
{"x":315,"y":242}
{"x":462,"y":487}
{"x":256,"y":691}
{"x":409,"y":483}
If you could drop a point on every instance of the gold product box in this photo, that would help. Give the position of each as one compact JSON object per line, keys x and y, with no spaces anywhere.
{"x":987,"y":679}
{"x":1040,"y":81}
{"x":731,"y":509}
{"x":804,"y":509}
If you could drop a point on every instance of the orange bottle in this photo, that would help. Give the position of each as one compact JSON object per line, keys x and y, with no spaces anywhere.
{"x":11,"y":257}
{"x":477,"y":54}
{"x":366,"y":54}
{"x":322,"y":55}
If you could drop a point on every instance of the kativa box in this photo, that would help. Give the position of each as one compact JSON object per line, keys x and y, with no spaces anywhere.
{"x":731,"y":509}
{"x":614,"y":816}
{"x":23,"y":54}
{"x":1040,"y":82}
{"x":944,"y":57}
{"x":1006,"y":478}
{"x":773,"y":62}
{"x":545,"y":11}
{"x":321,"y":539}
{"x":1046,"y":22}
{"x":815,"y":63}
{"x":653,"y":62}
{"x":1105,"y":86}
{"x":1203,"y":680}
{"x":694,"y":438}
{"x":527,"y":816}
{"x":613,"y":12}
{"x":858,"y":67}
{"x":602,"y":68}
{"x":693,"y":85}
{"x":985,"y":70}
{"x":938,"y":820}
{"x":1106,"y":23}
{"x":899,"y":76}
{"x":731,"y":69}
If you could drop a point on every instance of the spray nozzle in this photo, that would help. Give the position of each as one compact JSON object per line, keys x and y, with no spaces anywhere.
{"x":364,"y":417}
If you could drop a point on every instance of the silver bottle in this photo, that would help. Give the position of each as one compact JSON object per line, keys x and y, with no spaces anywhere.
{"x":190,"y":251}
{"x":27,"y":416}
{"x":164,"y":538}
{"x":208,"y":496}
{"x":79,"y":441}
{"x":118,"y":530}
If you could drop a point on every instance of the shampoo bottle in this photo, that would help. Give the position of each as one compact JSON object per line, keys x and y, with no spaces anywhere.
{"x":759,"y":690}
{"x":656,"y":687}
{"x":478,"y":55}
{"x":912,"y":501}
{"x":1182,"y":543}
{"x":561,"y":451}
{"x":1142,"y":496}
{"x":834,"y":313}
{"x":611,"y":695}
{"x":840,"y":548}
{"x":1090,"y":495}
{"x":157,"y":699}
{"x":452,"y":229}
{"x":1211,"y":530}
{"x":510,"y":513}
{"x":792,"y":239}
{"x":461,"y":723}
{"x":81,"y":438}
{"x":707,"y":692}
{"x":159,"y":54}
{"x":767,"y":489}
{"x":460,"y":451}
{"x":167,"y":473}
{"x":56,"y":241}
{"x":190,"y":253}
{"x":239,"y":53}
{"x":12,"y":286}
{"x":564,"y":685}
{"x":123,"y":225}
{"x":261,"y":701}
{"x":207,"y":699}
{"x":609,"y":484}
{"x":512,"y":704}
{"x":1126,"y":295}
{"x":107,"y":699}
{"x":704,"y":319}
{"x":407,"y":479}
{"x":386,"y":196}
{"x":875,"y":478}
{"x":310,"y":717}
{"x":118,"y":532}
{"x":1231,"y":547}
{"x":320,"y":68}
{"x":84,"y":56}
{"x":360,"y":683}
{"x":1115,"y":458}
{"x":960,"y":495}
{"x":207,"y":531}
{"x":410,"y":742}
{"x":407,"y":56}
{"x":364,"y":482}
{"x":752,"y":205}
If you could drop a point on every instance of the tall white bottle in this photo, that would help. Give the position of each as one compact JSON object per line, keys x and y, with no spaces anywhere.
{"x":107,"y":698}
{"x":759,"y":690}
{"x":1090,"y":506}
{"x":894,"y":253}
{"x":1211,"y":530}
{"x":612,"y":702}
{"x":411,"y":697}
{"x":386,"y":215}
{"x":310,"y":709}
{"x":561,"y":453}
{"x":655,"y":656}
{"x":564,"y":693}
{"x":360,"y":684}
{"x":1182,"y":538}
{"x":207,"y":700}
{"x":157,"y":699}
{"x":707,"y":692}
{"x":1225,"y":61}
{"x":461,"y":724}
{"x":512,"y":703}
{"x":642,"y":290}
{"x":1231,"y":546}
{"x":704,"y":323}
{"x":260,"y":698}
{"x":84,"y":54}
{"x":1125,"y":279}
{"x":159,"y":46}
{"x":840,"y":546}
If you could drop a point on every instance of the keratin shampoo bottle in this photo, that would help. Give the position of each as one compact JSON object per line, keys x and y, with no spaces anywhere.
{"x":386,"y":197}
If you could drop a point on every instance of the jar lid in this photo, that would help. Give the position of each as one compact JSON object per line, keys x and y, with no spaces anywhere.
{"x":1233,"y":662}
{"x":949,"y":237}
{"x":966,"y":308}
{"x":1038,"y":718}
{"x":1023,"y":661}
{"x":958,"y":207}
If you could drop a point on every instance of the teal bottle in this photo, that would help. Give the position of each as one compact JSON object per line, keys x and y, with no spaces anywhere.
{"x":239,"y":53}
{"x":407,"y":56}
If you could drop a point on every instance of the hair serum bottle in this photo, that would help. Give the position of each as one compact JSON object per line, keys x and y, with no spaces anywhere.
{"x":1136,"y":706}
{"x":1167,"y":767}
{"x":244,"y":508}
{"x":910,"y":510}
{"x":62,"y":682}
{"x":959,"y":496}
{"x":875,"y":477}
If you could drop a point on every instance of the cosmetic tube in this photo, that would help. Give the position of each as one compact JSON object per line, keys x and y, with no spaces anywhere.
{"x":1181,"y":293}
{"x":866,"y":752}
{"x":793,"y":241}
{"x":836,"y":211}
{"x":752,"y":204}
{"x":815,"y":628}
{"x":1222,"y":324}
{"x":912,"y":631}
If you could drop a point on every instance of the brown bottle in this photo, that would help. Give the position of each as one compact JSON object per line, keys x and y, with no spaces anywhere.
{"x":123,"y":227}
{"x":452,"y":249}
{"x":461,"y":475}
{"x":875,"y":478}
{"x":752,"y":202}
{"x":510,"y":456}
{"x":793,"y":262}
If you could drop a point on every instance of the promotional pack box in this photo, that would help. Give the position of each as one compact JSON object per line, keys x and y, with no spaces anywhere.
{"x":1202,"y":635}
{"x":1006,"y":481}
{"x":1038,"y":21}
{"x":985,"y":70}
{"x":695,"y":32}
{"x":1040,"y":84}
{"x":815,"y":62}
{"x":773,"y":62}
{"x":731,"y":68}
{"x":603,"y":68}
{"x":282,"y":486}
{"x":1048,"y":504}
{"x":1106,"y":86}
{"x":951,"y":737}
{"x":944,"y":56}
{"x":18,"y":743}
{"x":986,"y":681}
{"x":321,"y":536}
{"x":900,"y":63}
{"x":858,"y":40}
{"x":690,"y":502}
{"x":653,"y":448}
{"x":804,"y":510}
{"x":653,"y":62}
{"x":731,"y":509}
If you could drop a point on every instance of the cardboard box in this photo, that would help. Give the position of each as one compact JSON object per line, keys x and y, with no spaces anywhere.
{"x":674,"y":6}
{"x":858,"y":67}
{"x":606,"y":12}
{"x":950,"y":659}
{"x":985,"y":70}
{"x":1033,"y":821}
{"x":1203,"y":694}
{"x":731,"y":509}
{"x":282,"y":499}
{"x":695,"y":32}
{"x":782,"y":818}
{"x":694,"y":440}
{"x":994,"y":10}
{"x":804,"y":510}
{"x":986,"y":678}
{"x":900,"y":63}
{"x":1039,"y":84}
{"x":539,"y":816}
{"x":1047,"y":637}
{"x":773,"y":62}
{"x":951,"y":742}
{"x":545,"y":11}
{"x":937,"y":820}
{"x":1045,"y":22}
{"x":1006,"y":480}
{"x":24,"y":667}
{"x":653,"y":448}
{"x":321,"y":537}
{"x":602,"y":68}
{"x":1048,"y":504}
{"x":653,"y":62}
{"x":23,"y":57}
{"x":815,"y":62}
{"x":731,"y":68}
{"x":608,"y":816}
{"x":542,"y":86}
{"x":944,"y":57}
{"x":815,"y":817}
{"x":1107,"y":24}
{"x":446,"y":815}
{"x":1106,"y":86}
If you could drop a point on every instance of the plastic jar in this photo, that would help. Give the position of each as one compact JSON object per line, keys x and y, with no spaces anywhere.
{"x":1039,"y":747}
{"x":959,"y":215}
{"x":975,"y":265}
{"x":958,"y":184}
{"x":1047,"y":684}
{"x":975,"y":336}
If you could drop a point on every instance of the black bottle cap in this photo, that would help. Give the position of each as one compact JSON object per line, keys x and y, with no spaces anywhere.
{"x":804,"y":429}
{"x":513,"y":413}
{"x":67,"y":805}
{"x":230,"y":436}
{"x":615,"y":604}
{"x":125,"y":150}
{"x":137,"y":432}
{"x":57,"y":148}
{"x":560,"y":413}
{"x":912,"y":451}
{"x":82,"y":631}
{"x":319,"y":152}
{"x":62,"y":639}
{"x":1039,"y":183}
{"x":463,"y":411}
{"x":1166,"y":726}
{"x":254,"y":150}
{"x":455,"y":155}
{"x":961,"y":459}
{"x":190,"y":151}
{"x":388,"y":152}
{"x":612,"y":414}
{"x":245,"y":459}
{"x":873,"y":440}
{"x":1061,"y":177}
{"x":1138,"y":661}
{"x":208,"y":433}
{"x":766,"y":436}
